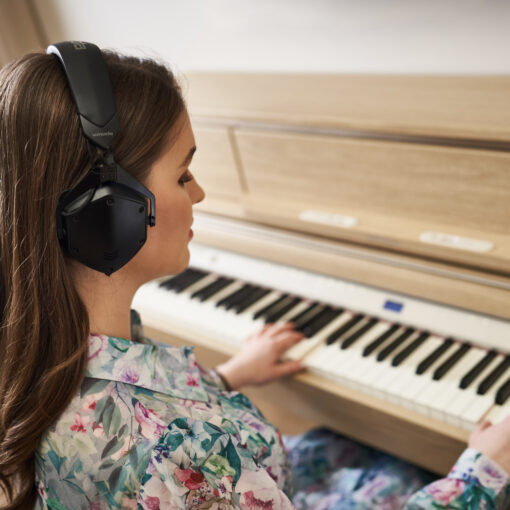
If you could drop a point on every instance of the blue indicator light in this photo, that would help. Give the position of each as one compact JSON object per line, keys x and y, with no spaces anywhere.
{"x":393,"y":306}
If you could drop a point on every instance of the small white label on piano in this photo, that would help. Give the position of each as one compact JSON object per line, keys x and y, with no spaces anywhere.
{"x":336,"y":220}
{"x":453,"y":241}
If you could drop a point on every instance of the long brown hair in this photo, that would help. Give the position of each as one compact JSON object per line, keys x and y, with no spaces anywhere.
{"x":44,"y":323}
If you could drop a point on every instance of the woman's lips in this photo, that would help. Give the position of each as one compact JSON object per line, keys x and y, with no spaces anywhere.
{"x":190,"y":233}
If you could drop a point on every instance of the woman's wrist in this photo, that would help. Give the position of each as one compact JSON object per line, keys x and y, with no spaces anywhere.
{"x":223,"y":379}
{"x":227,"y":377}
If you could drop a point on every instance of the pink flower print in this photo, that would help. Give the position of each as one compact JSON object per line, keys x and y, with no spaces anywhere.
{"x":97,"y":430}
{"x":445,"y":490}
{"x":151,"y":425}
{"x":80,"y":423}
{"x":193,"y":379}
{"x":252,"y":503}
{"x":41,"y":490}
{"x":96,"y":345}
{"x":89,"y":403}
{"x":191,"y":479}
{"x":150,"y":502}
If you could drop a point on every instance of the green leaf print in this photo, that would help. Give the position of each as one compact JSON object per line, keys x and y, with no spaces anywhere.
{"x":233,"y":459}
{"x":119,"y":344}
{"x":100,"y":406}
{"x":111,"y":447}
{"x":89,"y":386}
{"x":220,"y":467}
{"x":111,"y":418}
{"x":53,"y":504}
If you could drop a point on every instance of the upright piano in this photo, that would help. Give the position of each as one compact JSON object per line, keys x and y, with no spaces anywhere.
{"x":372,"y":211}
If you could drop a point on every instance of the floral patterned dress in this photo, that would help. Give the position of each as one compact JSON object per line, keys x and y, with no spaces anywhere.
{"x":149,"y":428}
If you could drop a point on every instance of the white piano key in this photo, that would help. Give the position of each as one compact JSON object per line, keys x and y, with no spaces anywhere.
{"x":406,"y":371}
{"x":498,"y":413}
{"x":413,"y":383}
{"x":477,"y":409}
{"x":433,"y":396}
{"x":387,"y":381}
{"x":381,"y":374}
{"x":451,"y":391}
{"x":468,"y":396}
{"x":348,"y":363}
{"x":247,"y":325}
{"x":368,"y":369}
{"x":309,"y":345}
{"x":332,"y":356}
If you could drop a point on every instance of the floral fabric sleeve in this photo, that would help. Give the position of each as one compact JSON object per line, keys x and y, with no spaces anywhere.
{"x":197,"y":465}
{"x":474,"y":483}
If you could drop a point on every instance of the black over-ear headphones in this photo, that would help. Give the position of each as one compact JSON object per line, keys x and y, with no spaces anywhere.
{"x":102,"y":221}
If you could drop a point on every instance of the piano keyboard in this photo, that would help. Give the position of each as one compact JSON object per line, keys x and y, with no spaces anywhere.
{"x":442,"y":362}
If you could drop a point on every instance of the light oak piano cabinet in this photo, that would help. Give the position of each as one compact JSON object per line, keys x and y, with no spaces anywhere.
{"x":384,"y":197}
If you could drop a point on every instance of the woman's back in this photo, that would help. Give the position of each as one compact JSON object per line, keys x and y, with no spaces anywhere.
{"x":149,"y":426}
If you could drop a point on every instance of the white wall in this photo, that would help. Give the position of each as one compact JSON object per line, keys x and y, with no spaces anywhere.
{"x":380,"y":36}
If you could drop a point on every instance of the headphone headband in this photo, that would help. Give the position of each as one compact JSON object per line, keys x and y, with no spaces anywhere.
{"x":91,"y":88}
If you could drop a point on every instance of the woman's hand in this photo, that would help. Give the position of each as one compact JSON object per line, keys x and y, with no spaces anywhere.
{"x":493,"y":441}
{"x":260,"y":359}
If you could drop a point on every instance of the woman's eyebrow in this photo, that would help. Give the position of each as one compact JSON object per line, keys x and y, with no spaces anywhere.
{"x":189,"y":156}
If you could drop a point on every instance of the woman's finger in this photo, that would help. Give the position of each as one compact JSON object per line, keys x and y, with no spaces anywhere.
{"x":484,"y":425}
{"x":288,"y":368}
{"x":286,"y":339}
{"x":278,"y":327}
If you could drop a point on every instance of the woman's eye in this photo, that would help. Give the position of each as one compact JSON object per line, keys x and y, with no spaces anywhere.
{"x":185,"y":178}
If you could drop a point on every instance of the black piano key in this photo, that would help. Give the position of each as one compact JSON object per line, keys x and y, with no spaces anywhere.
{"x":303,"y":318}
{"x":303,"y":315}
{"x":237,"y":295}
{"x":178,"y":280}
{"x":372,"y":346}
{"x":477,"y":369}
{"x":491,"y":379}
{"x":442,"y":369}
{"x":211,"y":289}
{"x":433,"y":356}
{"x":394,"y":344}
{"x":325,"y":317}
{"x":251,"y":300}
{"x":358,"y":333}
{"x":271,"y":307}
{"x":168,"y":281}
{"x":409,"y":349}
{"x":307,"y":322}
{"x":241,"y":296}
{"x":282,"y":310}
{"x":503,"y":393}
{"x":344,"y":329}
{"x":188,"y":282}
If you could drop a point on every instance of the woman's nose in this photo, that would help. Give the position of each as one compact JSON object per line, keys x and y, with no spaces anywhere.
{"x":197,"y":193}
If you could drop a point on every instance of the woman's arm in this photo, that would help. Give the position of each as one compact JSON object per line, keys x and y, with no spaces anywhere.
{"x":479,"y":479}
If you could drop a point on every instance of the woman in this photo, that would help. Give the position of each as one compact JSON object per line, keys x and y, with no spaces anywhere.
{"x":93,"y":415}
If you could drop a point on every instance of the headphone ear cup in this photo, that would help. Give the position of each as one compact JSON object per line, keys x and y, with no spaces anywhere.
{"x":106,"y":229}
